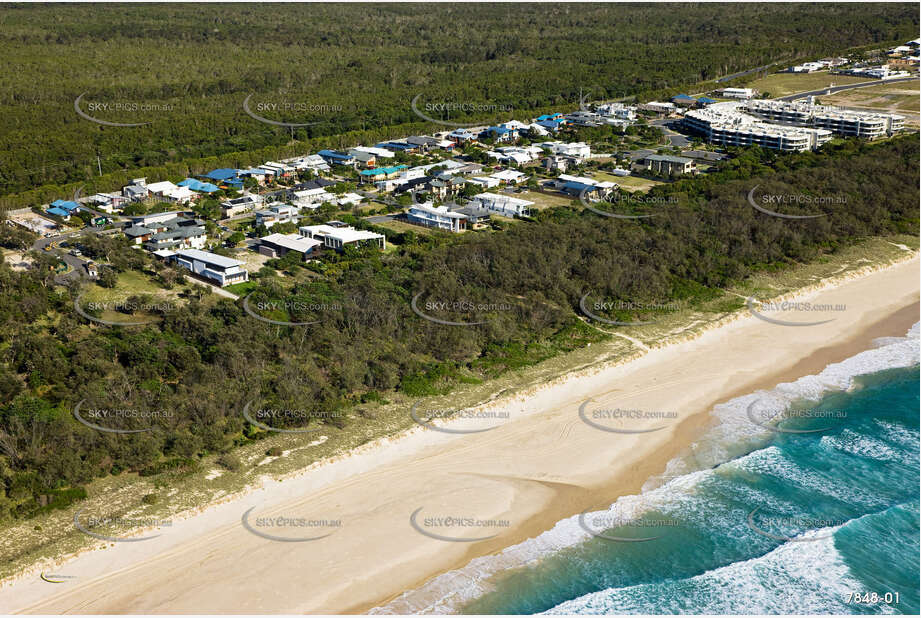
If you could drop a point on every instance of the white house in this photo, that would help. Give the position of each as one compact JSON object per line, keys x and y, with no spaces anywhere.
{"x":502,"y":204}
{"x":439,"y":217}
{"x":278,"y":245}
{"x":738,"y":93}
{"x":277,"y":213}
{"x":340,"y":237}
{"x":168,"y":192}
{"x":511,"y":177}
{"x":576,"y":150}
{"x":218,"y":269}
{"x":484,"y":181}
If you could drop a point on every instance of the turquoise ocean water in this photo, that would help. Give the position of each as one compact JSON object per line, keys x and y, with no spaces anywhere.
{"x":815,"y":518}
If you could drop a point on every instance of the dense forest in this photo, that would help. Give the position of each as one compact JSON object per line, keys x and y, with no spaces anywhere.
{"x":191,"y":374}
{"x":187,"y":69}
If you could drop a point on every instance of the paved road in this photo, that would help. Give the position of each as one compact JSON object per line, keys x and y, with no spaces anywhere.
{"x":833,"y":89}
{"x":743,"y":73}
{"x":674,"y":138}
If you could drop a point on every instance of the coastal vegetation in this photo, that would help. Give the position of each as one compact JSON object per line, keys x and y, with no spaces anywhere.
{"x":183,"y":381}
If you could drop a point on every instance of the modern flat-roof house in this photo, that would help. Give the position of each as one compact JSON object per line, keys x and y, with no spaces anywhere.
{"x":440,"y":217}
{"x":168,"y":192}
{"x":502,"y":204}
{"x":339,"y":237}
{"x":576,"y":150}
{"x":220,"y":270}
{"x":487,"y":182}
{"x":475,"y":216}
{"x":277,"y":213}
{"x":667,"y":165}
{"x":240,"y":205}
{"x":108,"y":202}
{"x":278,"y":245}
{"x":461,"y":136}
{"x":377,"y":153}
{"x":279,"y":170}
{"x":657,"y":107}
{"x":136,"y":191}
{"x":738,"y":93}
{"x":313,"y":162}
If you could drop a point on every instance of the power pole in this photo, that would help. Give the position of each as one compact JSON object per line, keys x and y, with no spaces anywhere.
{"x":99,"y":164}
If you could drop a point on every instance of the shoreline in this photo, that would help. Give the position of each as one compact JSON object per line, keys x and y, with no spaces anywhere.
{"x":537,"y":497}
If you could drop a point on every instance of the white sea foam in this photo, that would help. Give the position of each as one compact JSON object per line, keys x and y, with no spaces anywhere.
{"x":794,"y":578}
{"x":735,"y":435}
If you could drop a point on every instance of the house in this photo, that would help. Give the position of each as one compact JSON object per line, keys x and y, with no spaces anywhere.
{"x":107,"y":202}
{"x":199,"y":186}
{"x":440,"y":217}
{"x":500,"y":134}
{"x":461,"y":136}
{"x":279,"y":170}
{"x":575,"y":185}
{"x":166,"y":230}
{"x":476,"y":217}
{"x":684,"y":100}
{"x":240,"y":205}
{"x":397,"y":146}
{"x":705,"y":101}
{"x":257,"y":174}
{"x":535,"y":130}
{"x":225,"y":176}
{"x":510,"y":177}
{"x":667,"y":165}
{"x":136,"y":191}
{"x":217,"y":269}
{"x":738,"y":93}
{"x":583,"y":118}
{"x":551,"y":122}
{"x":338,"y":236}
{"x":168,"y":192}
{"x":312,"y":198}
{"x":657,"y":107}
{"x":278,"y":245}
{"x":314,"y":163}
{"x":502,"y":204}
{"x":335,"y":157}
{"x":618,"y":111}
{"x":484,"y":181}
{"x":381,"y":173}
{"x":444,"y":187}
{"x":558,"y":163}
{"x":575,"y":150}
{"x":379,"y":153}
{"x":277,"y":213}
{"x":349,"y":199}
{"x":58,"y":212}
{"x":68,"y":207}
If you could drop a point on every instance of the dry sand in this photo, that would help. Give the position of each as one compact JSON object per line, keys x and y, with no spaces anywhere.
{"x":540,"y":465}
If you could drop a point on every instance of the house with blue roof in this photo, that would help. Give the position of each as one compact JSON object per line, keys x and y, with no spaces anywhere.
{"x":199,"y":186}
{"x":221,"y":174}
{"x":67,"y":206}
{"x":333,"y":157}
{"x":461,"y":136}
{"x":706,"y":101}
{"x":500,"y":134}
{"x":58,"y":212}
{"x":398,"y":146}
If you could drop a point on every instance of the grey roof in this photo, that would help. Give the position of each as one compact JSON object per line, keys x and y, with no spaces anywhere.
{"x":669,"y":159}
{"x":136,"y":231}
{"x":208,"y":258}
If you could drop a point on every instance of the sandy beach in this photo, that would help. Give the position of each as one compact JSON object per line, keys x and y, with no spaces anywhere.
{"x":537,"y":464}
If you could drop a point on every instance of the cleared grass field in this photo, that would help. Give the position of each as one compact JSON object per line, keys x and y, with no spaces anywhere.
{"x":782,"y":84}
{"x":900,"y":98}
{"x":629,"y":183}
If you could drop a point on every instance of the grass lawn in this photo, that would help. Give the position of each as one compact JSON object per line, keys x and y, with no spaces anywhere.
{"x":544,"y":200}
{"x":629,"y":183}
{"x":782,"y":84}
{"x":899,"y":98}
{"x":402,"y":226}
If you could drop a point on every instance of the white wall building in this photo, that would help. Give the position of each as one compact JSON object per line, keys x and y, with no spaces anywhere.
{"x":220,"y":270}
{"x":502,"y":204}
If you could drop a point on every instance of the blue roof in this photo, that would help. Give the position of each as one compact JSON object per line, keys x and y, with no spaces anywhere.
{"x":58,"y":211}
{"x":383,"y":170}
{"x":65,"y":205}
{"x":550,"y":124}
{"x":499,"y":130}
{"x":683,"y":97}
{"x":706,"y":100}
{"x":332,"y":154}
{"x":395,"y":146}
{"x":555,"y":116}
{"x":222,"y":173}
{"x":578,"y":186}
{"x":199,"y":186}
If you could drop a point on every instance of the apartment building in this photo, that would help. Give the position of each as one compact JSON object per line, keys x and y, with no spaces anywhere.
{"x":849,"y":123}
{"x":667,"y":165}
{"x":729,"y":125}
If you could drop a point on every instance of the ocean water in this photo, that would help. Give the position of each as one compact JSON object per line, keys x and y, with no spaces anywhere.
{"x":815,"y":518}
